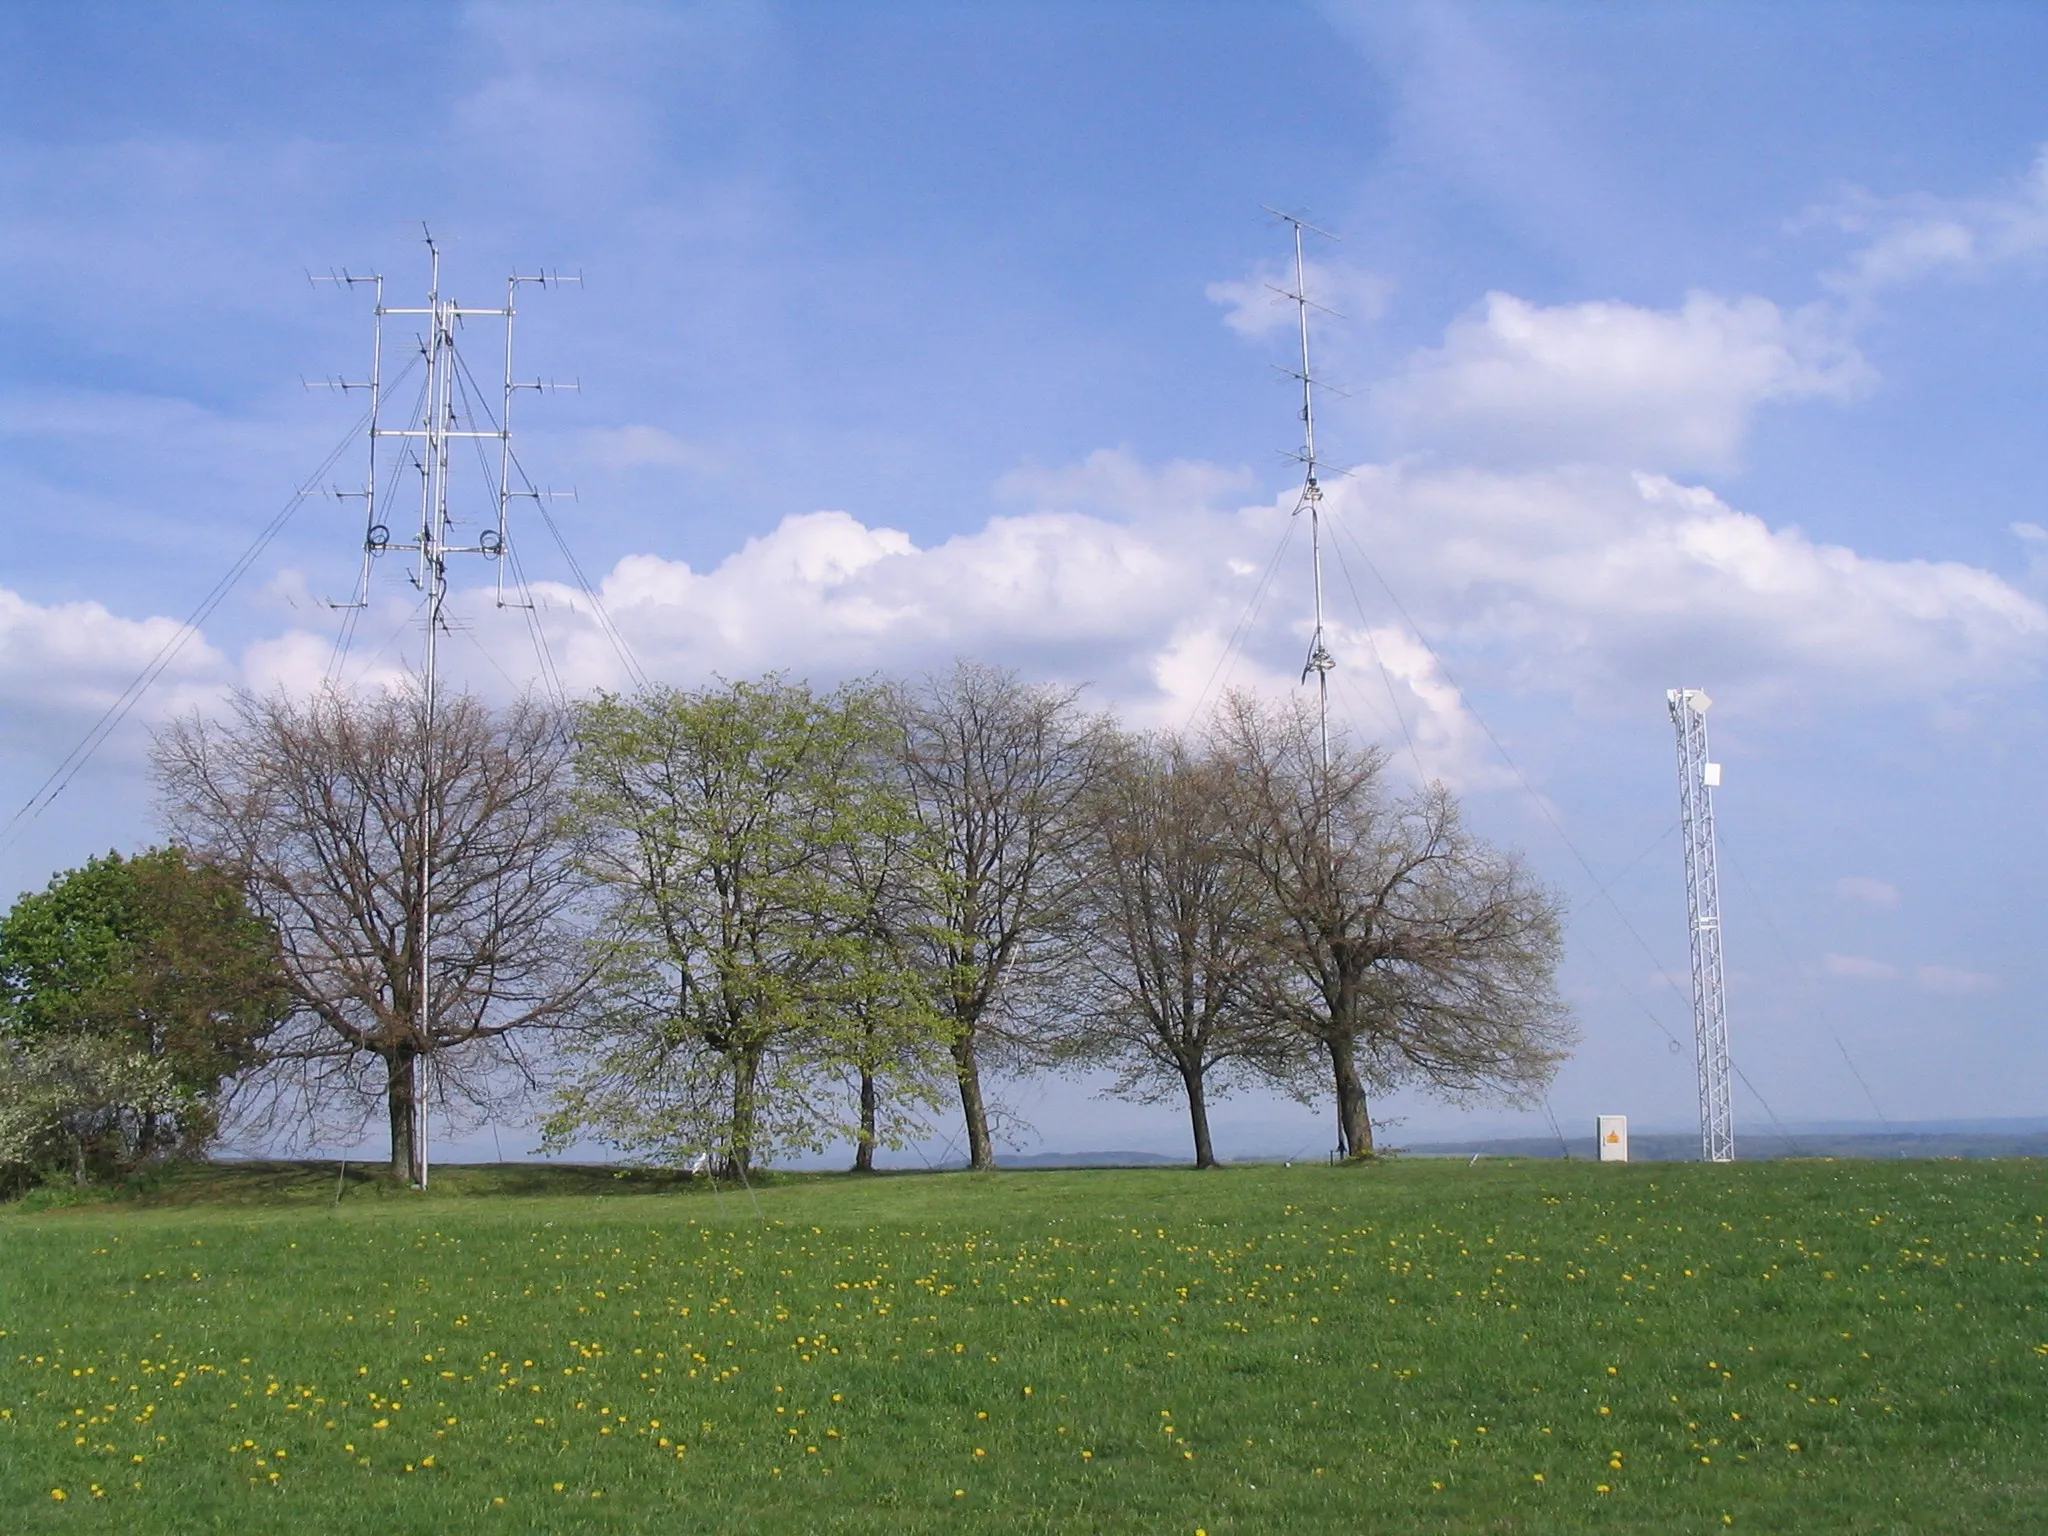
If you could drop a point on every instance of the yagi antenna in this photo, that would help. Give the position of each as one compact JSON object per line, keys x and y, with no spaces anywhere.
{"x":450,"y":409}
{"x":1320,"y":662}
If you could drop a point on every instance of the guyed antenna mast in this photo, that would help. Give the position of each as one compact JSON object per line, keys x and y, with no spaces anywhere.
{"x":1697,"y":780}
{"x":449,"y":411}
{"x":1320,"y":661}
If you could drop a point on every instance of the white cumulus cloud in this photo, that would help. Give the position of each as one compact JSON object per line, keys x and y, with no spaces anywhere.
{"x":1595,"y":584}
{"x":1258,"y":304}
{"x":1613,"y":383}
{"x":1592,"y":579}
{"x":62,"y":664}
{"x":1916,"y":236}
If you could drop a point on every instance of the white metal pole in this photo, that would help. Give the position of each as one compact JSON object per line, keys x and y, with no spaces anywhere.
{"x":433,"y":572}
{"x":436,"y":434}
{"x":1319,"y":659}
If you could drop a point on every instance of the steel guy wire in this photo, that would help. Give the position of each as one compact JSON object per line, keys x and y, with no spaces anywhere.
{"x":479,"y":405}
{"x":1244,"y":624}
{"x":605,"y":621}
{"x":1812,"y":997}
{"x":1506,"y":757}
{"x":1543,"y":806}
{"x":68,"y":767}
{"x":1379,"y":661}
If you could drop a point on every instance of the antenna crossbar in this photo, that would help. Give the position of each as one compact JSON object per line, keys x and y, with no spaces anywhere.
{"x":1299,"y":222}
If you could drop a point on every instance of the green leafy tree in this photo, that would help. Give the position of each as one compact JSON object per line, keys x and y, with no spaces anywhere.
{"x":743,"y":833}
{"x":69,"y":1100}
{"x":896,"y":1051}
{"x":155,"y":958}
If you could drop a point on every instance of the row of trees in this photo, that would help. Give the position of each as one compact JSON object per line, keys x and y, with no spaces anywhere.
{"x":758,"y":917}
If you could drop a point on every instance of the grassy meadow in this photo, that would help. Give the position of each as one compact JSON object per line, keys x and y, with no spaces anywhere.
{"x":1416,"y":1346}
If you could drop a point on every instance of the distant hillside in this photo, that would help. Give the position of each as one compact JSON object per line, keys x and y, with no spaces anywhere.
{"x":1942,"y":1139}
{"x":1089,"y":1160}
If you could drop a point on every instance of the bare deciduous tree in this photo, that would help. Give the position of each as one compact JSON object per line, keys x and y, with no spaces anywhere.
{"x":994,"y":767}
{"x":1180,"y":933}
{"x":318,"y":806}
{"x":1418,"y":953}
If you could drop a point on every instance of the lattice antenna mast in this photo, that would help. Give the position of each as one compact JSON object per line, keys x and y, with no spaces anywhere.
{"x":448,"y":414}
{"x":1320,"y":661}
{"x":1697,"y":780}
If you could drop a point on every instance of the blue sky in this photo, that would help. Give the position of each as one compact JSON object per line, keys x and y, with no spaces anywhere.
{"x":1682,"y":344}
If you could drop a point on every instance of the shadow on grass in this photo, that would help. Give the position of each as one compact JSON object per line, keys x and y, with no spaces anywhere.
{"x":273,"y":1182}
{"x":280,"y":1182}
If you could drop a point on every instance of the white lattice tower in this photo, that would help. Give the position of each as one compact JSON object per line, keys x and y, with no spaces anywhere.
{"x":1697,"y":780}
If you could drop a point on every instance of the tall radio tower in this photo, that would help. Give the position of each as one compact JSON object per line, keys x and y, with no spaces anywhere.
{"x":449,"y":410}
{"x":1697,"y":780}
{"x":1320,"y":661}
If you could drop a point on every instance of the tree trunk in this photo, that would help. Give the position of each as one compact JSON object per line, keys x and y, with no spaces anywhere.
{"x":870,"y":1113}
{"x":981,"y":1152}
{"x":1354,"y":1119}
{"x":746,"y":1080}
{"x":401,"y":1101}
{"x":1198,"y":1114}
